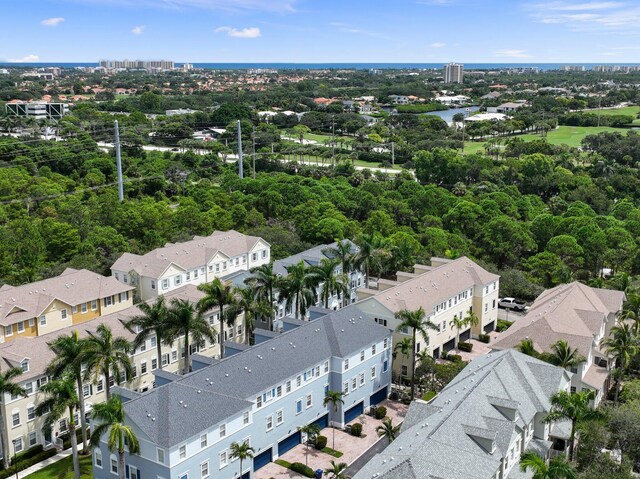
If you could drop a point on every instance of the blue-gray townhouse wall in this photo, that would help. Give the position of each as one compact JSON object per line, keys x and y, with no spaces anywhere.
{"x":330,"y":373}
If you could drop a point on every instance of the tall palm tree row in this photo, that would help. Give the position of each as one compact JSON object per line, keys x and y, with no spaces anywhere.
{"x":344,"y":253}
{"x":152,"y":322}
{"x":623,"y":344}
{"x":556,"y":468}
{"x":264,"y":282}
{"x":332,"y":284}
{"x":371,"y":254}
{"x":417,"y":323}
{"x":298,"y":289}
{"x":253,"y":307}
{"x":218,"y":294}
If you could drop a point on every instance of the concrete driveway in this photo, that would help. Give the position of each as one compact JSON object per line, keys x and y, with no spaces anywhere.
{"x":351,"y":447}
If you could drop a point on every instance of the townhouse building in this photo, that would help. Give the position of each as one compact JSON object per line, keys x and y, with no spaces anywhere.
{"x":74,"y":297}
{"x":261,"y":394}
{"x":477,"y":427}
{"x":582,"y":316}
{"x":193,"y":262}
{"x":22,"y":429}
{"x":446,"y":289}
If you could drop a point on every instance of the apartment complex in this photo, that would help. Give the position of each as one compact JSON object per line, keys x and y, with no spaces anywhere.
{"x":40,"y":110}
{"x":53,"y":304}
{"x":262,"y":394}
{"x":453,"y":73}
{"x":445,"y":289}
{"x":582,"y":316}
{"x":32,"y":354}
{"x":193,"y":262}
{"x":478,"y":426}
{"x":138,"y":64}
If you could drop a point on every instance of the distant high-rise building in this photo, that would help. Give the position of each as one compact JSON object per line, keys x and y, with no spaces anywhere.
{"x":138,"y":64}
{"x":454,"y":73}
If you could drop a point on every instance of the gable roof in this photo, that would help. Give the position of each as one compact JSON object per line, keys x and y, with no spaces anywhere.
{"x":72,"y":287}
{"x":447,"y":437}
{"x":311,"y":257}
{"x":574,"y":312}
{"x":428,"y":289}
{"x":188,"y":255}
{"x":232,"y":383}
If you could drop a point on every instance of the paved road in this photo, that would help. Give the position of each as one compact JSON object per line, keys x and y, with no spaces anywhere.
{"x":366,"y":457}
{"x":508,"y":315}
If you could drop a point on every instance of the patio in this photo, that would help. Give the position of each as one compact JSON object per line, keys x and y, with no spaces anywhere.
{"x":479,"y":348}
{"x":351,"y":447}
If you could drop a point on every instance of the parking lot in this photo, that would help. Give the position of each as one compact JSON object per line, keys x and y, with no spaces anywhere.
{"x":509,"y":315}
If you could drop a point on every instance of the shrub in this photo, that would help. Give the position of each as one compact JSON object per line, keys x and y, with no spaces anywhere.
{"x":23,"y":456}
{"x":503,"y":325}
{"x":456,"y":358}
{"x":466,"y":347}
{"x":429,"y":395}
{"x":302,"y":469}
{"x":380,"y":412}
{"x":356,"y":429}
{"x":484,"y":338}
{"x":22,"y":465}
{"x":321,"y":442}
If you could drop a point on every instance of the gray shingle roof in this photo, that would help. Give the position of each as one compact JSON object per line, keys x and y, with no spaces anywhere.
{"x":231,"y":381}
{"x":444,"y":438}
{"x":311,"y":257}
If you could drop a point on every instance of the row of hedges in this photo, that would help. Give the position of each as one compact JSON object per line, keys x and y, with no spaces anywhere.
{"x":302,"y":469}
{"x":28,"y":461}
{"x":424,"y":108}
{"x":466,"y":347}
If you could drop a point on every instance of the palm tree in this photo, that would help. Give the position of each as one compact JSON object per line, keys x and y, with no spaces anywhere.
{"x":152,"y":322}
{"x":325,"y":274}
{"x":263,"y":281}
{"x":110,"y":416}
{"x":622,"y":344}
{"x":334,"y":398}
{"x":573,"y":407}
{"x":471,"y":319}
{"x":458,"y":324}
{"x":69,"y":352}
{"x":60,"y":397}
{"x":415,"y":321}
{"x":404,"y":348}
{"x":388,"y":430}
{"x":186,"y":320}
{"x":343,"y":252}
{"x":253,"y":308}
{"x":562,"y":355}
{"x":217,"y":294}
{"x":108,"y":356}
{"x":298,"y":288}
{"x":311,"y":430}
{"x":337,"y":471}
{"x":241,"y":451}
{"x":526,"y":347}
{"x":370,"y":254}
{"x":7,"y":386}
{"x":558,"y":467}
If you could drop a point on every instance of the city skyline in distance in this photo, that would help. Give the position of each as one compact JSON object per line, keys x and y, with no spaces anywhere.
{"x":309,"y":31}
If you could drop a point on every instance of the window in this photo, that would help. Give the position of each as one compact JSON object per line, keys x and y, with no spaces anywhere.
{"x":100,"y":386}
{"x":32,"y":322}
{"x":114,"y":465}
{"x":288,"y":387}
{"x":298,"y":406}
{"x":123,"y":297}
{"x":279,"y":417}
{"x":28,"y":387}
{"x":15,"y":419}
{"x":298,"y":381}
{"x":385,"y":344}
{"x":160,"y":455}
{"x":188,"y":275}
{"x":154,"y":341}
{"x":309,"y":401}
{"x":346,"y":364}
{"x":43,"y":320}
{"x":224,"y":265}
{"x":573,"y":389}
{"x":223,"y":430}
{"x":203,"y":441}
{"x":361,"y":379}
{"x":254,"y":257}
{"x":204,"y":470}
{"x":98,"y":458}
{"x":17,"y":445}
{"x":32,"y":438}
{"x":182,"y":452}
{"x":345,"y":388}
{"x":154,"y":364}
{"x":405,"y":371}
{"x":108,"y":301}
{"x":269,"y":423}
{"x":31,"y":413}
{"x":83,"y":308}
{"x":237,"y":261}
{"x":165,"y":284}
{"x":373,"y":372}
{"x":362,"y":355}
{"x":385,"y":366}
{"x":259,"y":401}
{"x":493,"y":305}
{"x":217,"y":267}
{"x":153,"y":284}
{"x":8,"y":330}
{"x":264,"y":253}
{"x":177,"y":280}
{"x":326,"y":366}
{"x":245,"y":418}
{"x":223,"y":459}
{"x":143,"y":346}
{"x":20,"y":326}
{"x":143,"y":367}
{"x":174,"y":356}
{"x":373,"y":350}
{"x":24,"y":365}
{"x":279,"y":391}
{"x":354,"y":383}
{"x":486,"y":307}
{"x":165,"y":359}
{"x":74,"y":309}
{"x":94,"y":305}
{"x":86,"y":390}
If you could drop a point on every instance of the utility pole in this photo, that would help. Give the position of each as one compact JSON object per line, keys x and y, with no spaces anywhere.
{"x":240,"y":171}
{"x":118,"y":162}
{"x":393,"y":153}
{"x":253,"y":151}
{"x":333,"y":140}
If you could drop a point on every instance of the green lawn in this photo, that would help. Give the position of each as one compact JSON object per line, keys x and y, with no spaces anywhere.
{"x":63,"y":469}
{"x":627,"y":110}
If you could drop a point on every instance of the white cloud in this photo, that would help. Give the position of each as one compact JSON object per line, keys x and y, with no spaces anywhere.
{"x":226,"y":5}
{"x":512,"y":54}
{"x":25,"y":59}
{"x":52,"y":22}
{"x":562,"y":6}
{"x":599,"y":17}
{"x":249,"y":32}
{"x":438,"y":45}
{"x":138,"y":30}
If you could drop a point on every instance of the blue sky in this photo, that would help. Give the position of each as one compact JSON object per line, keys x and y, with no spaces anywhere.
{"x":425,"y":31}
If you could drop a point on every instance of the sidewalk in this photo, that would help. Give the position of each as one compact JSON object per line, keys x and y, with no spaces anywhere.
{"x":41,"y":465}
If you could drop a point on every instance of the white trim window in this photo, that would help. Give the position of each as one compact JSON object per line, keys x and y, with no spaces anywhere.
{"x":182,"y":452}
{"x":97,"y":461}
{"x":114,"y":464}
{"x":204,"y":470}
{"x":224,"y":461}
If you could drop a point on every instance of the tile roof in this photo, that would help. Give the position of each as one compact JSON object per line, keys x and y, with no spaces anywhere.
{"x":574,"y":312}
{"x":444,"y":438}
{"x":231,"y":381}
{"x":311,"y":257}
{"x":73,"y":287}
{"x":188,"y":255}
{"x":430,"y":288}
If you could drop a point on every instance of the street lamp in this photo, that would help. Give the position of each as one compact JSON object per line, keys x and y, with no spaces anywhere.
{"x":15,"y":455}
